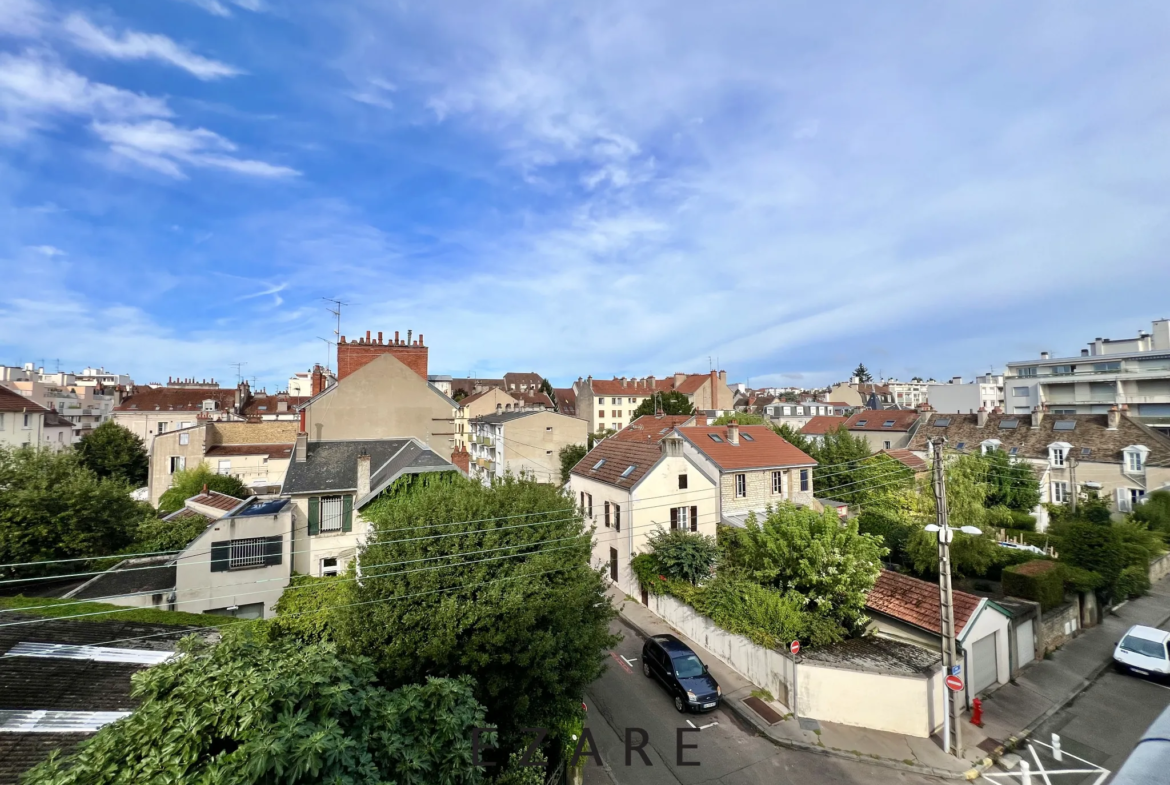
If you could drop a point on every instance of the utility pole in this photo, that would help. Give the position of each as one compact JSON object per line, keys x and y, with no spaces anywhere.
{"x":951,"y":719}
{"x":1072,"y":467}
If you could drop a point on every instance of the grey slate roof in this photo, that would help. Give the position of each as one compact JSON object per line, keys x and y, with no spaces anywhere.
{"x":133,"y":576}
{"x":332,"y":466}
{"x":876,"y":655}
{"x":502,"y":417}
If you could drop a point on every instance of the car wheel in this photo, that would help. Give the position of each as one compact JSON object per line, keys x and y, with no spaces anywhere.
{"x":646,"y":669}
{"x":678,"y":704}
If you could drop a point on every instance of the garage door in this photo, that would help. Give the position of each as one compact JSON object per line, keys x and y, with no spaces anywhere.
{"x":1025,"y":646}
{"x":982,"y":663}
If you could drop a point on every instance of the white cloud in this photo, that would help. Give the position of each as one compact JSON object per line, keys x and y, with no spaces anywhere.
{"x":162,"y":146}
{"x":21,"y":18}
{"x":134,"y":45}
{"x":218,"y":8}
{"x":47,"y":250}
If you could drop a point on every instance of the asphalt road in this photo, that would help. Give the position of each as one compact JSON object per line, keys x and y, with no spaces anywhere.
{"x":727,"y":752}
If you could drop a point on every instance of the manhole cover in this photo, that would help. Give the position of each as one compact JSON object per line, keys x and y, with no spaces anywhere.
{"x":807,"y":724}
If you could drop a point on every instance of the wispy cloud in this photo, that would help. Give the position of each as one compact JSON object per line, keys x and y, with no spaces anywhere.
{"x":224,"y":7}
{"x":134,"y":45}
{"x":47,"y":250}
{"x":160,"y":145}
{"x":21,"y":18}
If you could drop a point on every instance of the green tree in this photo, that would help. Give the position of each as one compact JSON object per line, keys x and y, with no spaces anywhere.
{"x":1154,"y":513}
{"x":839,"y":456}
{"x":672,"y":402}
{"x":826,"y":561}
{"x":688,"y":556}
{"x":110,"y":450}
{"x":1094,"y":548}
{"x":1011,"y":484}
{"x":971,"y":555}
{"x":547,"y":388}
{"x":186,"y":483}
{"x":248,"y":711}
{"x":862,"y":373}
{"x":52,"y":507}
{"x":153,"y":534}
{"x":741,"y":418}
{"x":511,"y":602}
{"x":459,"y":395}
{"x":797,"y":440}
{"x":571,"y":455}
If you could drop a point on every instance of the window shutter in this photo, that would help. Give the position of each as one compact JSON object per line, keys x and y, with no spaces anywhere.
{"x":674,"y":517}
{"x":694,"y":519}
{"x":1122,"y":495}
{"x":607,"y":514}
{"x":221,"y":554}
{"x":347,"y":513}
{"x":273,"y":550}
{"x":314,"y":515}
{"x":617,"y":517}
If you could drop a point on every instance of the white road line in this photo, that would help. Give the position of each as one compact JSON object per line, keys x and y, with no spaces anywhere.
{"x":708,"y":725}
{"x":1069,"y":754}
{"x":1039,"y":766}
{"x":629,"y":661}
{"x":690,"y":723}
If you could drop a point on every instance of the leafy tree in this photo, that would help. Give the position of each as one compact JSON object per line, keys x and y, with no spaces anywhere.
{"x":571,"y":455}
{"x":110,"y":450}
{"x":839,"y":456}
{"x":765,"y":615}
{"x":247,"y":711}
{"x":516,"y":607}
{"x":688,"y":556}
{"x":1154,"y":513}
{"x":862,"y":373}
{"x":742,"y":418}
{"x":547,"y":388}
{"x":459,"y":395}
{"x":889,"y":523}
{"x":153,"y":534}
{"x":797,"y":440}
{"x":967,"y":488}
{"x":52,"y":507}
{"x":186,"y":483}
{"x":1011,"y":484}
{"x":672,"y":402}
{"x":823,"y":559}
{"x":594,"y":438}
{"x":306,"y":608}
{"x":1093,"y":548}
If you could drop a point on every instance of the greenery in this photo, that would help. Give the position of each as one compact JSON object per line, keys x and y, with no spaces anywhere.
{"x":1134,"y":581}
{"x":1038,"y":580}
{"x":1011,"y":484}
{"x":458,"y":395}
{"x":594,"y":438}
{"x":1154,"y":513}
{"x":113,"y":452}
{"x":154,"y":535}
{"x":571,"y":455}
{"x":862,"y":373}
{"x":839,"y":473}
{"x":687,"y":556}
{"x":186,"y":483}
{"x":53,"y":507}
{"x":672,"y":402}
{"x":305,"y":609}
{"x":516,"y":607}
{"x":547,"y":388}
{"x":742,"y":418}
{"x":50,"y":608}
{"x":891,"y":525}
{"x":797,"y":440}
{"x":250,"y":711}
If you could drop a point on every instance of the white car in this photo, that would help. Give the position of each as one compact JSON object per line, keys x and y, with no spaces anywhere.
{"x":1143,"y":651}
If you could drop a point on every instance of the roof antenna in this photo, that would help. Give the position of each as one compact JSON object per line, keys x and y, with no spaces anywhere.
{"x":336,"y":313}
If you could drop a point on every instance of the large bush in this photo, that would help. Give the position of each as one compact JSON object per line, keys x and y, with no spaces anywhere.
{"x":111,"y":451}
{"x":688,"y":556}
{"x":1038,"y":580}
{"x":186,"y":483}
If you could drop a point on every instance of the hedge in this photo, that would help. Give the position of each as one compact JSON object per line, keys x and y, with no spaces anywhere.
{"x":101,"y":611}
{"x":1039,"y":580}
{"x":1023,"y":521}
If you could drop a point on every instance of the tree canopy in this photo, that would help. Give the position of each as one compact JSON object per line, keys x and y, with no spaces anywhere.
{"x":186,"y":483}
{"x":862,"y":373}
{"x":571,"y":455}
{"x":112,"y":451}
{"x":688,"y":556}
{"x":251,"y":711}
{"x":672,"y":402}
{"x":839,"y":456}
{"x":547,"y":388}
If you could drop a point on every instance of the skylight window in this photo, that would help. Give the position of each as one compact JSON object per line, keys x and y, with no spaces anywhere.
{"x":888,"y":424}
{"x":860,"y":423}
{"x":961,"y":446}
{"x":1086,"y":452}
{"x":943,"y":423}
{"x":746,"y":436}
{"x":1013,"y":451}
{"x":1007,"y":425}
{"x":599,"y":464}
{"x":629,"y":470}
{"x":1064,"y":425}
{"x":715,"y":438}
{"x":665,"y":430}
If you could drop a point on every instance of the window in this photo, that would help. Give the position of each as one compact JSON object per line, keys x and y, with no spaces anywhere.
{"x":601,"y":426}
{"x":1086,"y":452}
{"x":747,"y":437}
{"x":616,"y":415}
{"x":27,"y":421}
{"x":740,"y":485}
{"x":1060,"y":493}
{"x":961,"y":446}
{"x":777,"y":482}
{"x":225,"y":466}
{"x":548,"y":428}
{"x":162,"y":427}
{"x":631,"y":400}
{"x":184,"y":438}
{"x":178,"y":463}
{"x":888,"y":424}
{"x":1009,"y":425}
{"x":684,"y":518}
{"x":1062,"y":370}
{"x":601,"y":400}
{"x":943,"y":422}
{"x":629,"y":470}
{"x":329,"y":567}
{"x":885,"y":445}
{"x":607,"y":515}
{"x":1135,"y":496}
{"x":1144,"y":647}
{"x":861,"y":423}
{"x":598,"y":465}
{"x":617,"y":426}
{"x":1057,"y":454}
{"x":715,"y":438}
{"x":1027,"y":371}
{"x":617,"y":516}
{"x":588,"y":505}
{"x":805,"y":479}
{"x":1012,"y":452}
{"x":613,"y":564}
{"x":1134,"y":463}
{"x":1106,"y":367}
{"x":247,"y":553}
{"x":331,"y":514}
{"x":682,"y":482}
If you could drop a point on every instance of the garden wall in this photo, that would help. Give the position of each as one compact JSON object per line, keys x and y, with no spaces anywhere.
{"x":1059,"y":625}
{"x":1160,"y":567}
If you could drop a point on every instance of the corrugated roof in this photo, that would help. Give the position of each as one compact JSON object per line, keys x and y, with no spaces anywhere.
{"x":762,"y":450}
{"x":915,"y":602}
{"x":619,"y":456}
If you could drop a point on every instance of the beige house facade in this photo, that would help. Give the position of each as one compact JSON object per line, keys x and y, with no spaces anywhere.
{"x":150,"y":411}
{"x":608,"y":404}
{"x":884,"y":429}
{"x":22,"y":422}
{"x":523,"y":444}
{"x":490,"y":401}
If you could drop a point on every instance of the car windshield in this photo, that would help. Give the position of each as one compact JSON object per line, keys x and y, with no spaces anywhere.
{"x":1143,"y":646}
{"x":688,"y":665}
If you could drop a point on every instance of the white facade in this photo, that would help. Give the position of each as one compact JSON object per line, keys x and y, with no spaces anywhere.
{"x":955,"y":397}
{"x":908,"y":393}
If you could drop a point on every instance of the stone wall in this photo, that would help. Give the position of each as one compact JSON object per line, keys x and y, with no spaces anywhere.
{"x":1058,"y":626}
{"x":759,"y":490}
{"x":267,"y":432}
{"x":1160,"y":568}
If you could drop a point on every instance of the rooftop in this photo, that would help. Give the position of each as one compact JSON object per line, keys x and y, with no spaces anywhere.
{"x":759,"y":447}
{"x":176,"y":399}
{"x":15,"y":402}
{"x":882,"y":420}
{"x":153,"y":575}
{"x":907,"y":459}
{"x":878,"y":655}
{"x":610,"y":461}
{"x":220,"y":501}
{"x":331,"y":466}
{"x":915,"y":602}
{"x":651,"y":429}
{"x":822,"y":424}
{"x":272,"y":451}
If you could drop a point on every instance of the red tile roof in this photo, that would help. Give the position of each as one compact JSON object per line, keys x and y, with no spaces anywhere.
{"x":533,"y":398}
{"x":618,"y":456}
{"x":566,"y":400}
{"x":822,"y":424}
{"x":650,"y":429}
{"x":762,"y":450}
{"x":875,"y":420}
{"x":630,"y":386}
{"x":693,"y":383}
{"x":263,"y":405}
{"x":276,"y":451}
{"x":220,"y":501}
{"x":476,"y":396}
{"x":907,"y":459}
{"x":174,"y":399}
{"x":917,"y":602}
{"x":15,"y":402}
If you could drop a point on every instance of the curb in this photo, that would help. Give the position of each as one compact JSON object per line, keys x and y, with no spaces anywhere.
{"x":750,"y":718}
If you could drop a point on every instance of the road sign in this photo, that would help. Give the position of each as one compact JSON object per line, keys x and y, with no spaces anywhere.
{"x":954,"y":683}
{"x":794,"y":647}
{"x":956,"y":670}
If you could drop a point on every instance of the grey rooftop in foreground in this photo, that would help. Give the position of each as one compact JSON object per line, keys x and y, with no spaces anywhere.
{"x":331,"y":466}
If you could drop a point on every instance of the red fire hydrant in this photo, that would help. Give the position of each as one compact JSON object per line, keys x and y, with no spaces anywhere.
{"x":977,"y":712}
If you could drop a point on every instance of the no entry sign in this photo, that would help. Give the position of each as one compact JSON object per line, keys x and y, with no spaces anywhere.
{"x":794,"y":647}
{"x":954,"y":683}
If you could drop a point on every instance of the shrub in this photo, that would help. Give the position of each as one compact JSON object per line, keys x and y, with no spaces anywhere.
{"x":1038,"y":580}
{"x":1079,"y":580}
{"x":1134,"y":581}
{"x":1007,"y":557}
{"x":764,"y":615}
{"x":890,"y":525}
{"x":1023,"y":521}
{"x":688,"y":556}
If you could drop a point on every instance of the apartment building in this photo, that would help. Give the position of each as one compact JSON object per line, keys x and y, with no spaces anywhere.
{"x":955,"y":397}
{"x":22,"y":422}
{"x":492,"y":400}
{"x":608,"y":404}
{"x":525,"y":443}
{"x":884,"y":429}
{"x":84,"y":406}
{"x":1109,"y":372}
{"x":150,"y":411}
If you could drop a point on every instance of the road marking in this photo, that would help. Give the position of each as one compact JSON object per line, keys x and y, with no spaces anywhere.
{"x":708,"y":725}
{"x":690,"y":723}
{"x":1039,"y":765}
{"x":629,"y":661}
{"x":1017,"y":776}
{"x":621,"y":661}
{"x":1163,"y":686}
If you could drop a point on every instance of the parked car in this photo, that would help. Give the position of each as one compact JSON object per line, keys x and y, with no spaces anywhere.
{"x":680,"y":670}
{"x":1018,"y":547}
{"x":1143,"y":651}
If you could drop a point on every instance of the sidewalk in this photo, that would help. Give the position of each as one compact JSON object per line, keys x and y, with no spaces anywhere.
{"x":1010,"y":713}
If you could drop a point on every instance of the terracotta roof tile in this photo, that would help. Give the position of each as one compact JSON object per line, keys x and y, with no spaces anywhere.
{"x":533,"y":398}
{"x":618,"y":456}
{"x":220,"y":501}
{"x":693,"y":383}
{"x":262,"y":405}
{"x":822,"y":424}
{"x":15,"y":402}
{"x":649,"y":429}
{"x":907,"y":459}
{"x":174,"y":399}
{"x":632,"y":387}
{"x":762,"y":449}
{"x":916,"y":602}
{"x":875,"y":420}
{"x":566,"y":400}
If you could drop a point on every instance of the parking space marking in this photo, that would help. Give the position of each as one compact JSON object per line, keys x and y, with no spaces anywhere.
{"x":620,"y":660}
{"x":690,"y":723}
{"x":708,"y":725}
{"x":629,"y":661}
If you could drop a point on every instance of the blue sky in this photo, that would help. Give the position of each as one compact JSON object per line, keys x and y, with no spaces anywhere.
{"x":581,"y":188}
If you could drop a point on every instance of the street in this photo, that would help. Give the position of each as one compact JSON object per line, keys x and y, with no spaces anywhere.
{"x":726,"y":752}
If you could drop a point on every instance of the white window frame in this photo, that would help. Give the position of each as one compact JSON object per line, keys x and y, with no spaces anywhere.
{"x":887,"y":445}
{"x":740,"y":485}
{"x":1060,"y":494}
{"x":1019,"y":392}
{"x":178,"y":463}
{"x":332,"y":514}
{"x":682,"y":521}
{"x":1057,"y":456}
{"x":778,"y":482}
{"x":184,"y":438}
{"x":247,"y":553}
{"x":224,"y":466}
{"x":326,"y":571}
{"x":806,"y":480}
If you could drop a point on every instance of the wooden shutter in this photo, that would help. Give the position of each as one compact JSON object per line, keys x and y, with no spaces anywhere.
{"x":347,"y":513}
{"x":694,"y":519}
{"x":607,"y":513}
{"x":314,"y":515}
{"x":221,"y":554}
{"x":273,"y":550}
{"x":617,"y":516}
{"x":674,"y":517}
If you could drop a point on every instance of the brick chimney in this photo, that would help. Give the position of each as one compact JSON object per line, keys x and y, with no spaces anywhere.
{"x":679,"y":378}
{"x":723,"y":376}
{"x":462,"y":459}
{"x":318,"y":379}
{"x":363,"y":474}
{"x":352,"y":355}
{"x":301,"y":449}
{"x":981,"y":416}
{"x":733,"y":432}
{"x":714,"y":390}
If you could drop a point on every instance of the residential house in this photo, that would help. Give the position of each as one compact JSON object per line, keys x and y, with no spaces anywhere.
{"x":815,"y":429}
{"x":847,"y":394}
{"x":256,"y":453}
{"x":907,"y":609}
{"x":796,"y":415}
{"x":148,"y":411}
{"x":884,"y":429}
{"x":57,"y":431}
{"x":608,"y":404}
{"x":461,"y":387}
{"x":492,"y":400}
{"x":955,"y":397}
{"x":523,"y":443}
{"x":100,"y":377}
{"x":566,"y":400}
{"x":22,"y":422}
{"x":306,"y":384}
{"x":652,"y":429}
{"x":522,"y":382}
{"x":280,"y":406}
{"x":84,"y":407}
{"x":1110,"y":372}
{"x":1112,"y":454}
{"x":382,"y":392}
{"x":535,"y":400}
{"x":908,"y":394}
{"x":331,"y":482}
{"x":752,"y":466}
{"x":628,"y":490}
{"x":442,"y":383}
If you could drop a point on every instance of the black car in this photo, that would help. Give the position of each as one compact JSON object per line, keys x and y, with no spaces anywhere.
{"x":672,"y":662}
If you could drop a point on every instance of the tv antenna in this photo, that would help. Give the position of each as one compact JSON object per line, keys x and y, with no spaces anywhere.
{"x":336,"y":311}
{"x":328,"y":350}
{"x":239,"y":372}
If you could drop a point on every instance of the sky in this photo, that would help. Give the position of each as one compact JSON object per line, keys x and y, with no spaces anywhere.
{"x":778,"y":189}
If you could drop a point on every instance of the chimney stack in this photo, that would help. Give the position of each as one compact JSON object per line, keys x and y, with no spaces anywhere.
{"x":1037,"y":416}
{"x":733,"y":432}
{"x":1043,"y":355}
{"x":1114,"y":418}
{"x":301,"y":450}
{"x":981,"y":416}
{"x":354,"y":355}
{"x":363,"y":474}
{"x":679,"y":378}
{"x":318,"y":385}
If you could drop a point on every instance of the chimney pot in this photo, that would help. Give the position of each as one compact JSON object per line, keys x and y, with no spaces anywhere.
{"x":363,"y":474}
{"x":395,"y":337}
{"x":420,"y":339}
{"x":379,"y":337}
{"x":733,"y":432}
{"x":1113,"y":418}
{"x":981,"y":416}
{"x":408,"y":334}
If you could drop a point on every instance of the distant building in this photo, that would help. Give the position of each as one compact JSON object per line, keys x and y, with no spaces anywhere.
{"x":523,"y":443}
{"x":306,"y":384}
{"x":888,"y":429}
{"x":815,"y":429}
{"x":22,"y":422}
{"x":609,"y":404}
{"x":522,"y":382}
{"x":955,"y":397}
{"x":566,"y":400}
{"x":441,"y":382}
{"x":150,"y":411}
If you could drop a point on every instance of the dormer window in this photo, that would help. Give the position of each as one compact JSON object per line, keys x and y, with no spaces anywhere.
{"x":989,"y":445}
{"x":1058,"y":453}
{"x":1134,"y":458}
